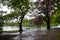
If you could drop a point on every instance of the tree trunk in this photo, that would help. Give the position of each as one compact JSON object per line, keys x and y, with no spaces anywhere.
{"x":20,"y":24}
{"x":48,"y":21}
{"x":47,"y":14}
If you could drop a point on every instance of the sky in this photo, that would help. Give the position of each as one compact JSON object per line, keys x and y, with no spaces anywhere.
{"x":5,"y":8}
{"x":33,"y":0}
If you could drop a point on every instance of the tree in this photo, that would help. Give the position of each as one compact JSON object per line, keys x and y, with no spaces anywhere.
{"x":1,"y":21}
{"x":38,"y":20}
{"x":22,"y":6}
{"x":46,"y":7}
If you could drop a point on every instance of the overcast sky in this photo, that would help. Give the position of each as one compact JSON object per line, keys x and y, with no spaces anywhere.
{"x":5,"y":8}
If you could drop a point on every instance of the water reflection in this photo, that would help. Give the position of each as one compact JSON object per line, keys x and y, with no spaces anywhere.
{"x":20,"y":36}
{"x":32,"y":34}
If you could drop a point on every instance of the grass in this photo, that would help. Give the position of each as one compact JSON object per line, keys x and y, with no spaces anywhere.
{"x":13,"y":31}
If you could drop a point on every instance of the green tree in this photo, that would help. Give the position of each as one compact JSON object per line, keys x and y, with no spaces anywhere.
{"x":1,"y":21}
{"x":22,"y":6}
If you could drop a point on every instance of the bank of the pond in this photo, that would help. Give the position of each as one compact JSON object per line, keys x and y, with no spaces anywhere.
{"x":32,"y":33}
{"x":15,"y":29}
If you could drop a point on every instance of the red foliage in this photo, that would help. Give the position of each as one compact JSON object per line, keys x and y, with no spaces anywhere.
{"x":38,"y":20}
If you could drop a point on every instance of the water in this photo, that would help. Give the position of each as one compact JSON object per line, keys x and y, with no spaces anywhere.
{"x":10,"y":28}
{"x":27,"y":34}
{"x":30,"y":33}
{"x":26,"y":31}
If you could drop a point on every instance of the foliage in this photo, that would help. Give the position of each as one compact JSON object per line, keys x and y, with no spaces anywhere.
{"x":43,"y":7}
{"x":56,"y":18}
{"x":26,"y":22}
{"x":21,"y":7}
{"x":12,"y":15}
{"x":1,"y":21}
{"x":38,"y":20}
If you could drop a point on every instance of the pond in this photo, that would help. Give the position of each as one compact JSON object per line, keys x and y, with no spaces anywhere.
{"x":31,"y":33}
{"x":10,"y":28}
